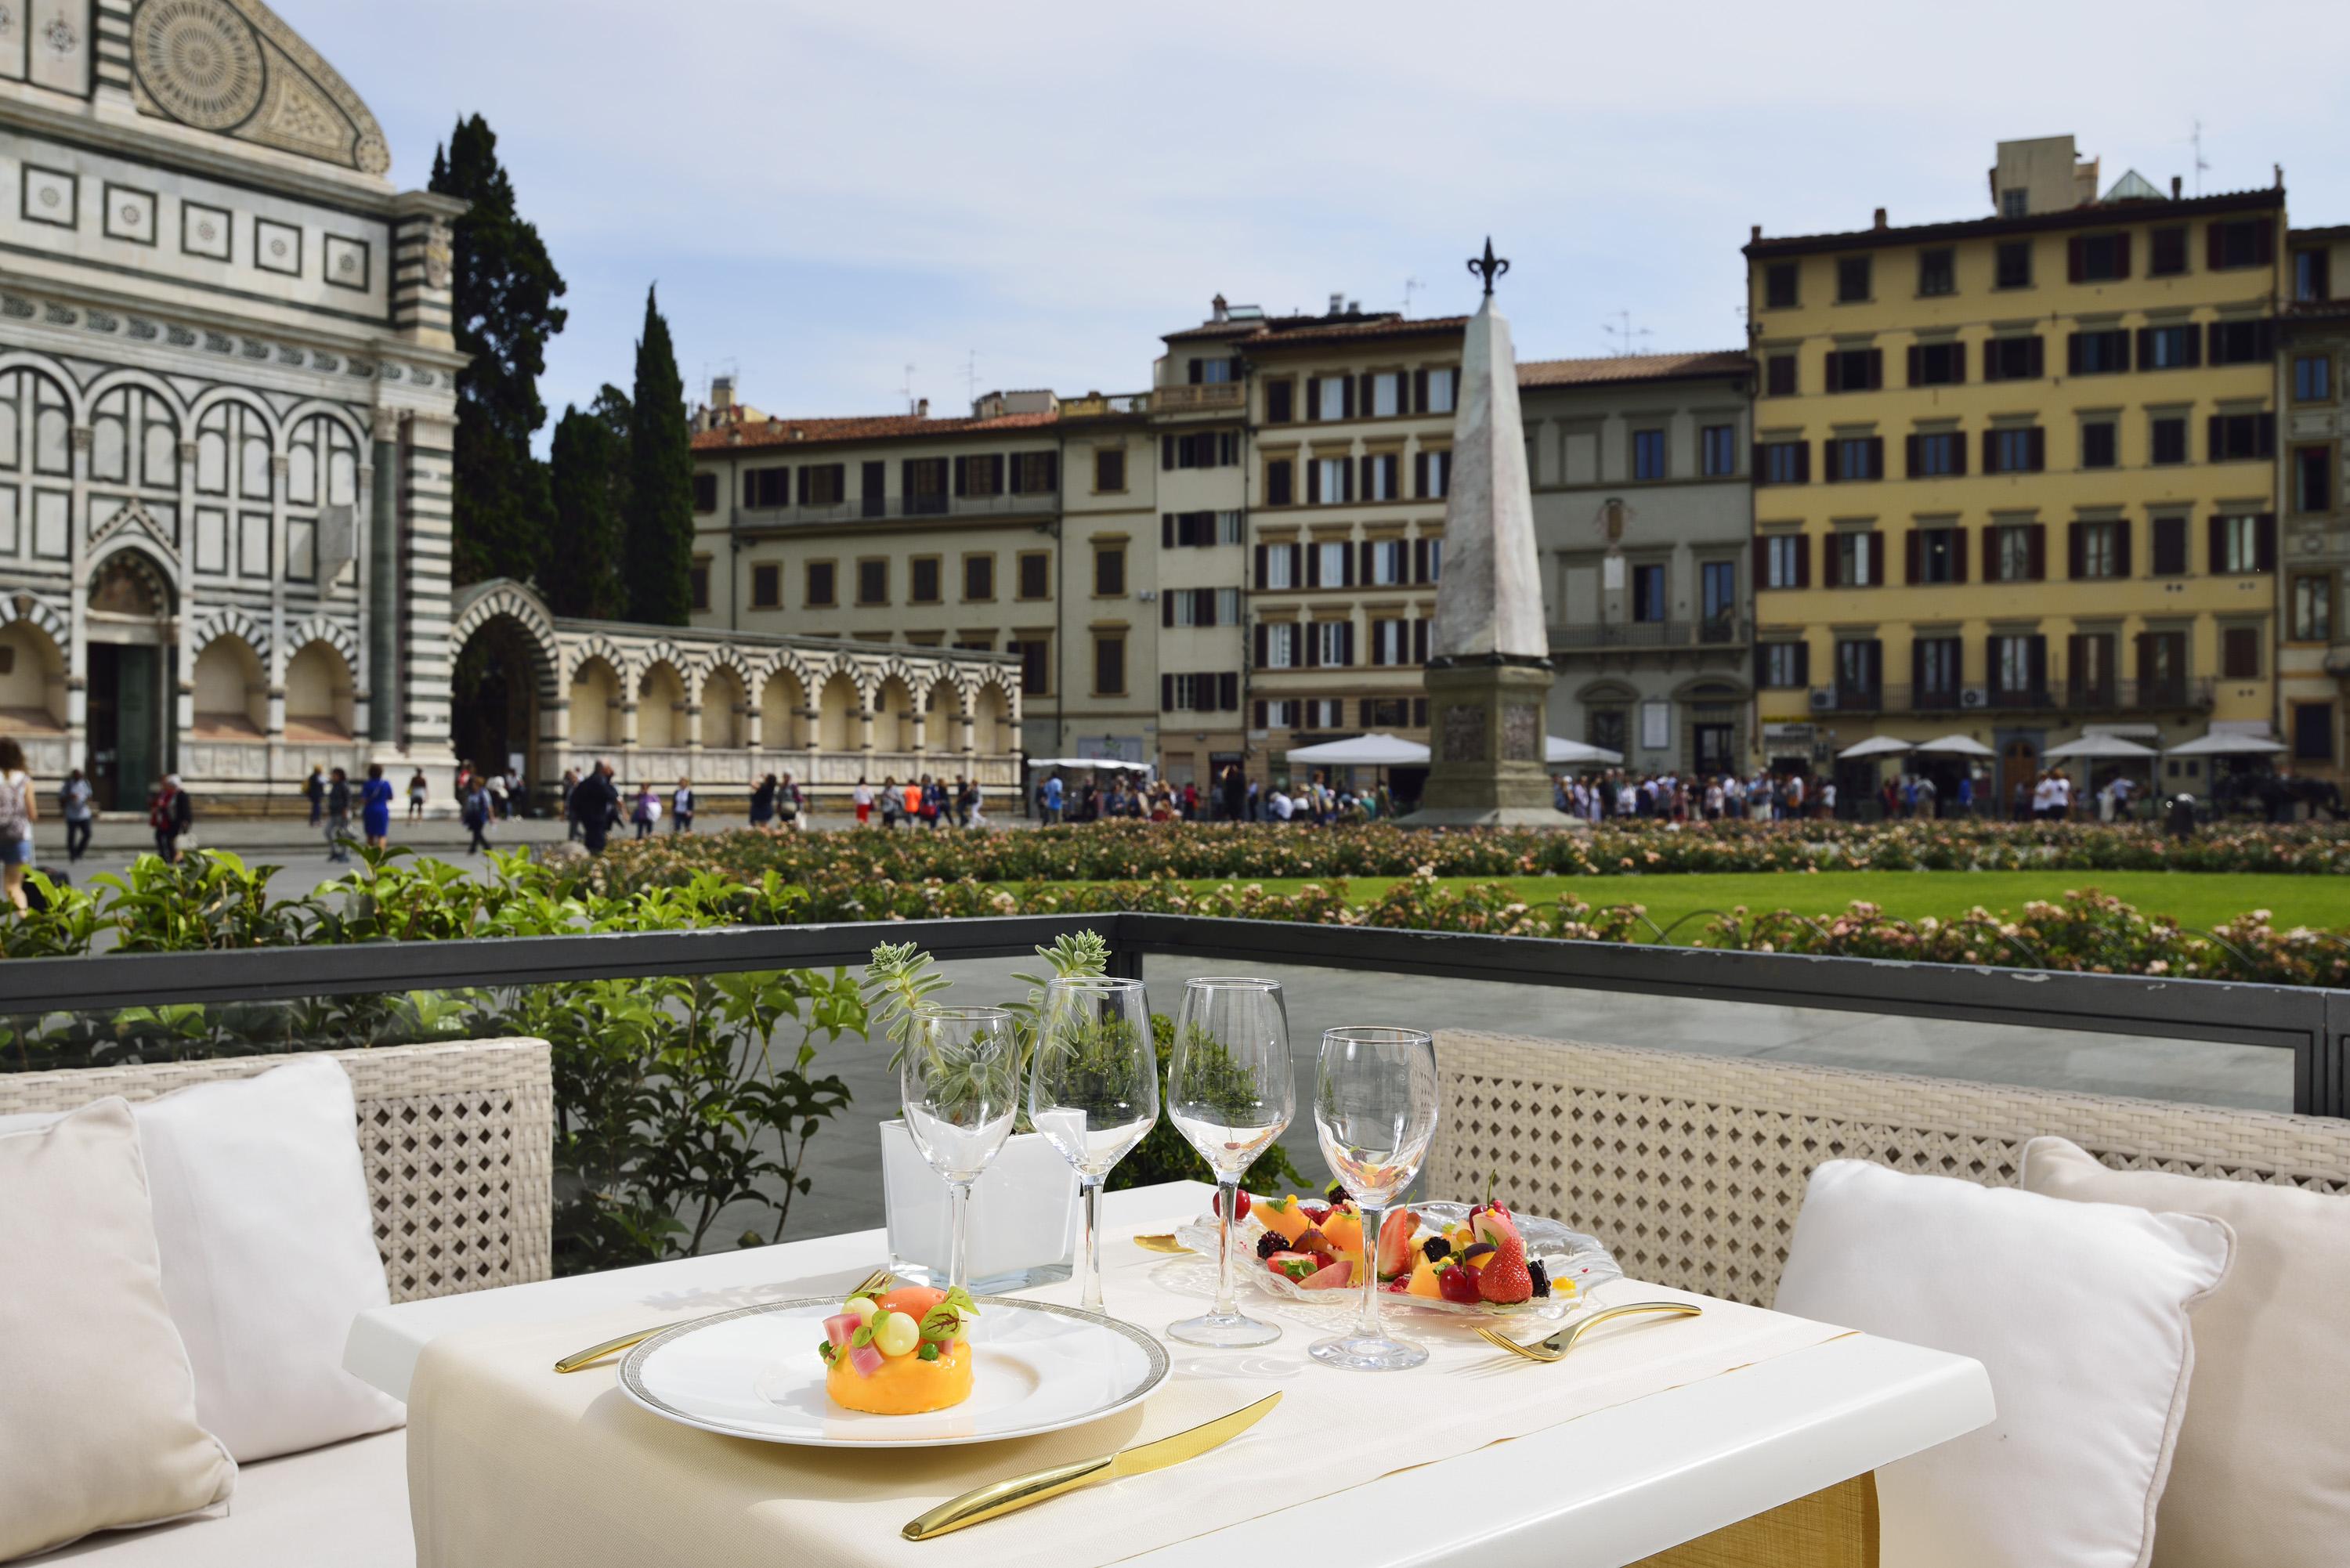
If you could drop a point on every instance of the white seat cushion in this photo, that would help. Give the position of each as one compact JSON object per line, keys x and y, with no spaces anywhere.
{"x":2262,"y":1475}
{"x":346,"y":1505}
{"x":2078,"y":1312}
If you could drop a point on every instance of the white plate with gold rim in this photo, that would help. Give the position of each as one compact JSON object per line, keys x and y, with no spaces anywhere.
{"x":754,"y":1373}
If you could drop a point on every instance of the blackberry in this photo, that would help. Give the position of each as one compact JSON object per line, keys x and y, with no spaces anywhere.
{"x":1338,"y":1194}
{"x":1437,"y":1248}
{"x":1540,"y":1274}
{"x":1269,"y":1243}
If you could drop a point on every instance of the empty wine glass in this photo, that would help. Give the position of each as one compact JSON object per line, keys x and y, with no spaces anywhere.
{"x":1093,"y":1088}
{"x":960,"y":1082}
{"x":1230,"y":1093}
{"x":1375,"y":1112}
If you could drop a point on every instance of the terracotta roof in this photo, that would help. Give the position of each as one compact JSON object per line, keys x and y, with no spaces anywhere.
{"x":1314,"y":333}
{"x":777,"y":433}
{"x":1212,"y":330}
{"x":2094,"y":216}
{"x":1634,"y":368}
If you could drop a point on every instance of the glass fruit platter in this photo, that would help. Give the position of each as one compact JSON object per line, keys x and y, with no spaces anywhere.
{"x":1455,"y":1259}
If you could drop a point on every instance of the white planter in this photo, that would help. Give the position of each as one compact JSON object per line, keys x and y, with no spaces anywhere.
{"x":1023,"y":1214}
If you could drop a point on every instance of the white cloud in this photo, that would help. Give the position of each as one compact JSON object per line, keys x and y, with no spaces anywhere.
{"x":828,"y":192}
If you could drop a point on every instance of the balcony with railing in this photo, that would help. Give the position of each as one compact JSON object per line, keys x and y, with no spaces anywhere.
{"x":1105,"y":405}
{"x":1717,"y":631}
{"x":899,"y":509}
{"x":1199,"y":397}
{"x":2070,"y":697}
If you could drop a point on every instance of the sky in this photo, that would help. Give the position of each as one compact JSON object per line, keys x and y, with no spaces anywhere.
{"x":827,"y":193}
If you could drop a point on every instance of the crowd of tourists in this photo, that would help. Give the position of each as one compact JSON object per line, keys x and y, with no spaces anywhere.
{"x":1761,"y":796}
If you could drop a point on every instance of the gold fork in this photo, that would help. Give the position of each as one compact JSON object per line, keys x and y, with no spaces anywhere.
{"x":879,"y":1280}
{"x":1556,"y":1347}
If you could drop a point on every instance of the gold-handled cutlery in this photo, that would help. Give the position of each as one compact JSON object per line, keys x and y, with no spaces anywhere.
{"x":879,"y":1280}
{"x":1556,"y":1347}
{"x":1005,"y":1496}
{"x":1161,"y":1244}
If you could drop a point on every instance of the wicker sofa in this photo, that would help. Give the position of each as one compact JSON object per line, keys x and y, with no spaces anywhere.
{"x":1694,"y":1167}
{"x":457,"y":1139}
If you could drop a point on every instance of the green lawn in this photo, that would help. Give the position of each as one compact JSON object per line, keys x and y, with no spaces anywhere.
{"x":2195,"y":900}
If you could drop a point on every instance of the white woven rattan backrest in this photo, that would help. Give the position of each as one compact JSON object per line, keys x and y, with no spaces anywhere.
{"x":1692,"y":1168}
{"x":458,"y":1139}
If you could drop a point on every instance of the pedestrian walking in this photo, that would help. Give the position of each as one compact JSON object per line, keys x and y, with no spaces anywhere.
{"x":317,"y":790}
{"x":173,"y":815}
{"x":1053,"y":800}
{"x":595,"y":805}
{"x":474,"y":806}
{"x":18,"y":811}
{"x":375,"y":808}
{"x":417,"y":790}
{"x":862,"y":798}
{"x":893,"y":803}
{"x":75,"y":801}
{"x":763,"y":802}
{"x":646,"y":811}
{"x":338,"y":817}
{"x":681,"y":807}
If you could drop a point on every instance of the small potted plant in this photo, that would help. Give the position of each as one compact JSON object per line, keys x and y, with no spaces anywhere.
{"x":1024,"y":1210}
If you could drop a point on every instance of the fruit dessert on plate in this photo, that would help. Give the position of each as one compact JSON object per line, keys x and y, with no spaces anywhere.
{"x":1446,"y":1257}
{"x":899,"y":1354}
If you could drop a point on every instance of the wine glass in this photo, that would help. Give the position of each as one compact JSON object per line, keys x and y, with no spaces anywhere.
{"x":960,"y":1082}
{"x":1230,"y":1093}
{"x":1093,"y":1087}
{"x":1375,"y":1112}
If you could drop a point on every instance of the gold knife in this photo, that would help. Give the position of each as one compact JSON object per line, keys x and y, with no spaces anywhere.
{"x":1005,"y":1496}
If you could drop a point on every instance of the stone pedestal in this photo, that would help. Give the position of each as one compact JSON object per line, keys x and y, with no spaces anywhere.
{"x":1486,"y":725}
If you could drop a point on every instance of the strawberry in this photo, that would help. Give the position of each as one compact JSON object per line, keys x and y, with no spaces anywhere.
{"x":1506,"y":1277}
{"x":1457,"y":1284}
{"x":1315,"y":1212}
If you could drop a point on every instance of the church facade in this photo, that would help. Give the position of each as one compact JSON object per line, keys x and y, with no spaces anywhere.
{"x":227,"y":404}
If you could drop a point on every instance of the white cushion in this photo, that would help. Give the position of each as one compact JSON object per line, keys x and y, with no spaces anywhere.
{"x":268,"y":1248}
{"x":2079,"y":1313}
{"x":2262,"y":1479}
{"x":344,"y":1506}
{"x":97,"y":1410}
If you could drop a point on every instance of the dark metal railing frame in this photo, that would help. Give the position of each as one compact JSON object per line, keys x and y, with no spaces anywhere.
{"x":2311,"y":1022}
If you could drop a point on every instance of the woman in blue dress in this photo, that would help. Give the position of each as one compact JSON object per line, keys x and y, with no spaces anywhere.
{"x":375,"y":808}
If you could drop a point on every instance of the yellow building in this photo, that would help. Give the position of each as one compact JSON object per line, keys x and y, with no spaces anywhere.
{"x":2014,"y":475}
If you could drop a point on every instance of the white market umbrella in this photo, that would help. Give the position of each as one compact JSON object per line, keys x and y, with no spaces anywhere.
{"x":1955,"y":746}
{"x":1875,"y":747}
{"x":1559,"y":749}
{"x":1377,"y":750}
{"x":2223,"y":744}
{"x":2101,"y":747}
{"x":1113,"y":764}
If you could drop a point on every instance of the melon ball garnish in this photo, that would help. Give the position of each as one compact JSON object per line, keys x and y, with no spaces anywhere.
{"x":863,"y":1307}
{"x":895,"y":1334}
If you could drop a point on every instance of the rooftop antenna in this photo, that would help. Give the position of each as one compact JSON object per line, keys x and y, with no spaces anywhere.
{"x":2196,"y":141}
{"x":908,"y":389}
{"x":1411,"y":287}
{"x":971,"y":378}
{"x":1627,"y":337}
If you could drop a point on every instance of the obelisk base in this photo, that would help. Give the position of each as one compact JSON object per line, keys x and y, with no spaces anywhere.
{"x":1486,"y":729}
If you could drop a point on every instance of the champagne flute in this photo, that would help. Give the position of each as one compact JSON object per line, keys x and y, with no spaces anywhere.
{"x":1093,"y":1088}
{"x":1374,"y":1113}
{"x":1230,"y":1093}
{"x":960,"y":1082}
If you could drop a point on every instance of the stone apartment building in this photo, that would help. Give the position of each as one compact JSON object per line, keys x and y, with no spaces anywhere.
{"x":2313,"y":355}
{"x":2015,"y":475}
{"x":1643,"y":518}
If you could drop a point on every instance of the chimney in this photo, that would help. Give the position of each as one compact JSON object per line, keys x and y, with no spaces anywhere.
{"x":2177,"y":186}
{"x":1880,"y":217}
{"x":1338,"y":304}
{"x":722,"y":393}
{"x":922,"y":409}
{"x":1755,"y":233}
{"x":1218,"y":310}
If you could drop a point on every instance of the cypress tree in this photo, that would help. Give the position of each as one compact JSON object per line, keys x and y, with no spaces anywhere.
{"x":504,"y":288}
{"x":658,"y":560}
{"x":589,"y":464}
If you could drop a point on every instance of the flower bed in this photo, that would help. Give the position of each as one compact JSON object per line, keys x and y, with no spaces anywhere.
{"x":1103,"y":852}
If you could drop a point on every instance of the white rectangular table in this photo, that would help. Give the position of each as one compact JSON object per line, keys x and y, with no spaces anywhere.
{"x":1600,"y":1490}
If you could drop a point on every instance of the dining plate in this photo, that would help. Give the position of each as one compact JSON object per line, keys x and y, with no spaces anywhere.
{"x":754,"y":1373}
{"x":1575,"y":1262}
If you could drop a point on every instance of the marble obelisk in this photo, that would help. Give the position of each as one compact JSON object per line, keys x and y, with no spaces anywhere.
{"x":1489,"y":671}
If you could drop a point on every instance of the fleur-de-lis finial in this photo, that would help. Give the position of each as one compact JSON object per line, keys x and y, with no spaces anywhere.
{"x":1488,"y":266}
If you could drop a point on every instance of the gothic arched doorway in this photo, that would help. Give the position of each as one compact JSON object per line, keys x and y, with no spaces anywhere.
{"x":500,"y":673}
{"x":132,"y":674}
